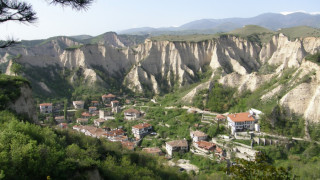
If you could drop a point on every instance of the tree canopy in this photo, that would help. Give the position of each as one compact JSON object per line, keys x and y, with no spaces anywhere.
{"x":20,"y":11}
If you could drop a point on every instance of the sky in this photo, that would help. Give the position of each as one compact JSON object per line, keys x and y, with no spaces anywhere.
{"x":116,"y":15}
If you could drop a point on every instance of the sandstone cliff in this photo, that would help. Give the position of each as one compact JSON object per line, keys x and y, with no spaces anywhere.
{"x":161,"y":66}
{"x":25,"y":104}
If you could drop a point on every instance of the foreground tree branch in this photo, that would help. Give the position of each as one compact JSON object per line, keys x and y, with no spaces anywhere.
{"x":13,"y":10}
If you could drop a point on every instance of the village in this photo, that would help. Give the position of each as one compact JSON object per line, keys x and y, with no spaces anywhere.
{"x":242,"y":130}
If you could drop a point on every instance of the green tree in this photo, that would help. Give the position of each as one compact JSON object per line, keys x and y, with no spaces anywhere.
{"x":261,"y":168}
{"x":19,"y":11}
{"x":2,"y":175}
{"x":65,"y":112}
{"x":16,"y":68}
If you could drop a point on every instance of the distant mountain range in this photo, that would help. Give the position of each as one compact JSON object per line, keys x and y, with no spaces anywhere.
{"x":271,"y":21}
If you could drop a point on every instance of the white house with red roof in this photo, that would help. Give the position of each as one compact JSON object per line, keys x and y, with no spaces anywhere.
{"x":107,"y":98}
{"x":46,"y":108}
{"x":141,"y":130}
{"x":205,"y":146}
{"x":78,"y":104}
{"x":198,"y":136}
{"x":131,"y":114}
{"x":240,"y":122}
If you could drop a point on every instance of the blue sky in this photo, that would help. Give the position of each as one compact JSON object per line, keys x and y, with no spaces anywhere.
{"x":115,"y":15}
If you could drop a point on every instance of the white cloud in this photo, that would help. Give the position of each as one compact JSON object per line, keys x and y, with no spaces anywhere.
{"x":301,"y":11}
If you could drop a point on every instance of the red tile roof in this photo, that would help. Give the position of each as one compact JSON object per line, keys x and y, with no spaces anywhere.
{"x":94,"y":102}
{"x":206,"y":145}
{"x":86,"y":114}
{"x":116,"y":132}
{"x":132,"y":111}
{"x":241,"y":117}
{"x":220,"y":116}
{"x":199,"y":134}
{"x":115,"y":101}
{"x":141,"y":126}
{"x":178,"y":143}
{"x":108,"y":96}
{"x":46,"y":104}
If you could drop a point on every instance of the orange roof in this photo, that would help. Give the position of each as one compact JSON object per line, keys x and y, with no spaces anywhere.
{"x":115,"y":101}
{"x":93,"y":107}
{"x":85,"y":114}
{"x":78,"y":102}
{"x":115,"y":132}
{"x":220,"y":116}
{"x":205,"y":145}
{"x":108,"y":96}
{"x":218,"y":150}
{"x":178,"y":143}
{"x":141,"y":126}
{"x":199,"y":134}
{"x":241,"y":117}
{"x":46,"y":104}
{"x":94,"y":102}
{"x":132,"y":111}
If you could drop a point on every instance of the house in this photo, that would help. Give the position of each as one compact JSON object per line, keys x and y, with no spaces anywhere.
{"x":90,"y":130}
{"x":176,"y":146}
{"x":220,"y":117}
{"x":95,"y":103}
{"x":198,"y":136}
{"x":86,"y":115}
{"x":116,"y":135}
{"x":99,"y":122}
{"x":82,"y":121}
{"x":127,"y":101}
{"x":114,"y":103}
{"x":152,"y":150}
{"x":108,"y":98}
{"x":46,"y":108}
{"x":131,"y":114}
{"x":128,"y":145}
{"x":105,"y":114}
{"x":240,"y":122}
{"x":78,"y":104}
{"x":141,"y":130}
{"x":115,"y":106}
{"x":92,"y":109}
{"x":205,"y":146}
{"x":63,"y":125}
{"x":59,"y":119}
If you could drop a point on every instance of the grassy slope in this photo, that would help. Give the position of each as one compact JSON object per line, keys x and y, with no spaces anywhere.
{"x":300,"y":32}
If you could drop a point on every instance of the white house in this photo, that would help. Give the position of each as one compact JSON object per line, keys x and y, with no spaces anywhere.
{"x":82,"y":121}
{"x":46,"y":108}
{"x":108,"y":98}
{"x":240,"y":122}
{"x":176,"y":146}
{"x":198,"y":136}
{"x":59,"y":119}
{"x":99,"y":122}
{"x":141,"y":129}
{"x":78,"y":104}
{"x":92,"y":109}
{"x":131,"y":114}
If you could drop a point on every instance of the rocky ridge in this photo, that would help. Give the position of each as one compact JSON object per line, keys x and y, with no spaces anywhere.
{"x":161,"y":66}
